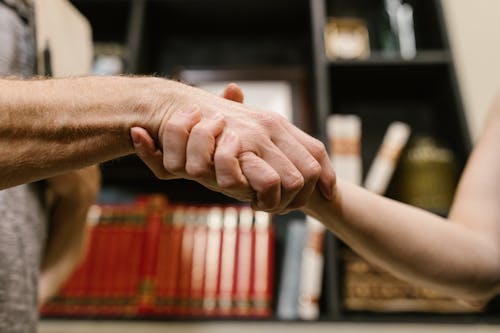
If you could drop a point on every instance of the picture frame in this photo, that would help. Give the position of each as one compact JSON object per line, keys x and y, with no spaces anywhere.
{"x":281,"y":90}
{"x":346,"y":38}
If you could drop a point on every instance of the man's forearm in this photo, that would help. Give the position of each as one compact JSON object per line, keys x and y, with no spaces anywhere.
{"x":51,"y":126}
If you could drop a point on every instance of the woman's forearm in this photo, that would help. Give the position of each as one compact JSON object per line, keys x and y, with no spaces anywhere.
{"x":411,"y":243}
{"x":51,"y":126}
{"x":459,"y":255}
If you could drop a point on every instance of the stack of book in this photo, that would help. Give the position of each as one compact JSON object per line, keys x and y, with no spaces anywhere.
{"x":150,"y":258}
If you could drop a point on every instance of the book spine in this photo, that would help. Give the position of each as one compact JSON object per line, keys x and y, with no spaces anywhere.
{"x":164,"y":264}
{"x":312,"y":271}
{"x":147,"y":293}
{"x":244,"y":264}
{"x":187,"y":246}
{"x":344,"y":135}
{"x":137,"y":256}
{"x":198,"y":268}
{"x":228,"y":262}
{"x":212,"y":260}
{"x":174,"y":261}
{"x":261,"y":294}
{"x":288,"y":296}
{"x":384,"y":164}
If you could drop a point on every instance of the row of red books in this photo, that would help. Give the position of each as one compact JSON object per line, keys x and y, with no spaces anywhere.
{"x":153,"y":259}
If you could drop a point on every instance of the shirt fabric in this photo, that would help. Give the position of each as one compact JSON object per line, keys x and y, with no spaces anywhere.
{"x":23,"y":220}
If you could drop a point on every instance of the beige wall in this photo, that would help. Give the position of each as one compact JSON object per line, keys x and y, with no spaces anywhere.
{"x":474,"y":29}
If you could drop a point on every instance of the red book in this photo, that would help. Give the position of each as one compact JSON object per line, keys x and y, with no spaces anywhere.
{"x":228,"y":262}
{"x":148,"y":267}
{"x":198,"y":265}
{"x":104,"y":287}
{"x":167,"y":264}
{"x":212,"y":260}
{"x":261,"y":294}
{"x":133,"y":281}
{"x":186,"y":261}
{"x":244,"y":263}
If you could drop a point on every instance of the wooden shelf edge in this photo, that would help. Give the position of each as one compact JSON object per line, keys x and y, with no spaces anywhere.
{"x":428,"y":57}
{"x":68,"y":326}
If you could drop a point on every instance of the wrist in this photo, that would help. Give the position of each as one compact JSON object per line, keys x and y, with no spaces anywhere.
{"x":321,"y":208}
{"x":158,"y":99}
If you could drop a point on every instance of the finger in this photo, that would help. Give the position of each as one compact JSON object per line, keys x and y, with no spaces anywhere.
{"x":145,"y":148}
{"x":228,"y":172}
{"x":292,"y":180}
{"x":234,"y":93}
{"x":263,"y":179}
{"x":176,"y":137}
{"x":201,"y":147}
{"x":327,"y":178}
{"x":304,"y":162}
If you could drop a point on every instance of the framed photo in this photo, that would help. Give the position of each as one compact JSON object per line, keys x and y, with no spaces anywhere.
{"x":346,"y":38}
{"x":281,"y":90}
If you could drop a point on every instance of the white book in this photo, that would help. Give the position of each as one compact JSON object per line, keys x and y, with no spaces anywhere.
{"x":312,"y":270}
{"x":383,"y":166}
{"x":344,"y":135}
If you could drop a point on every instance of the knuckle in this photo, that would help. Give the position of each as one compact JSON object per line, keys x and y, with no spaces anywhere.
{"x":174,"y":128}
{"x":267,"y":119}
{"x":201,"y":131}
{"x":222,"y":157}
{"x":295,"y":183}
{"x":174,"y":166}
{"x":317,"y":148}
{"x":270,"y":182}
{"x":313,"y":171}
{"x":197,"y":170}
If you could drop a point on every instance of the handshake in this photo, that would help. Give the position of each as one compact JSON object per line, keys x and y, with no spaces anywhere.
{"x":250,"y":155}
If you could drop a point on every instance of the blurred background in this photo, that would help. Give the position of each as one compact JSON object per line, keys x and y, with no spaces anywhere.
{"x":412,"y":77}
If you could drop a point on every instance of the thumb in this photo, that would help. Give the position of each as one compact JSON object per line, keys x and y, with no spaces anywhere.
{"x":233,"y":93}
{"x":145,"y":148}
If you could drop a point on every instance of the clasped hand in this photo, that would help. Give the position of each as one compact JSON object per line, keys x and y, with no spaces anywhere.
{"x":247,"y":154}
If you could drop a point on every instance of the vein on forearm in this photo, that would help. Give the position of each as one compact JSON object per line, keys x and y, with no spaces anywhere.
{"x":50,"y":126}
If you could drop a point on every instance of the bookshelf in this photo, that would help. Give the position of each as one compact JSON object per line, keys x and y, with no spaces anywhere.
{"x":164,"y":37}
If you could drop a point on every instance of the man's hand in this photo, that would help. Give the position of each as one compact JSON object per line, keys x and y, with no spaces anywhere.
{"x":282,"y":164}
{"x":69,"y":197}
{"x":228,"y":149}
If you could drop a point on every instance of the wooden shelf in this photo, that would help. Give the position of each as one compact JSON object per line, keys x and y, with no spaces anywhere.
{"x":428,"y":57}
{"x":72,"y":326}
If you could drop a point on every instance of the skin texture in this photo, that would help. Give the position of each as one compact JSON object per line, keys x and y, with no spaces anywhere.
{"x":63,"y":125}
{"x":67,"y":124}
{"x":459,"y":255}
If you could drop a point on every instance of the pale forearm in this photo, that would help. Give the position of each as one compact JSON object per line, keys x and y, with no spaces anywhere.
{"x":411,"y":243}
{"x":51,"y":126}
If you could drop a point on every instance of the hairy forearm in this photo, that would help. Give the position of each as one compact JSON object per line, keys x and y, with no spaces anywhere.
{"x":51,"y":126}
{"x":411,"y":243}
